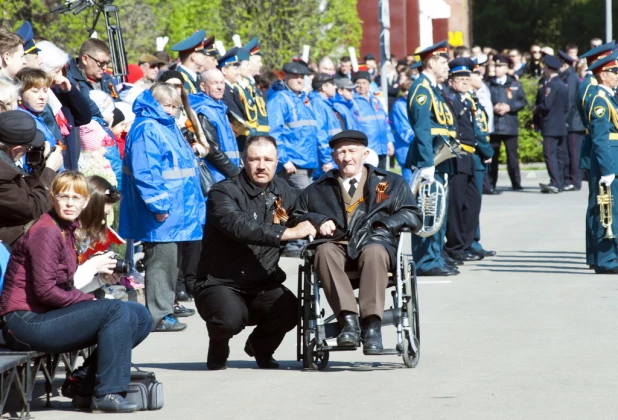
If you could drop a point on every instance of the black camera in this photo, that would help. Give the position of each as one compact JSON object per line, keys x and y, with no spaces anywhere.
{"x":35,"y":158}
{"x":189,"y":135}
{"x":122,"y":267}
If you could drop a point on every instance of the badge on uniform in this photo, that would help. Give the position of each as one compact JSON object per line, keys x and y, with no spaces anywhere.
{"x":547,"y":91}
{"x":421,"y":99}
{"x":509,"y":94}
{"x":599,"y":111}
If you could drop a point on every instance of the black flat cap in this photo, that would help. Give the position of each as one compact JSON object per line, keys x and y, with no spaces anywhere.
{"x":296,"y":68}
{"x":349,"y":135}
{"x":17,"y":128}
{"x":552,"y":62}
{"x":320,"y":78}
{"x":361,"y":75}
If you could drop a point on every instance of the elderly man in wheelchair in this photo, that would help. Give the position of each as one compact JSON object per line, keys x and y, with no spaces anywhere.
{"x":358,"y":211}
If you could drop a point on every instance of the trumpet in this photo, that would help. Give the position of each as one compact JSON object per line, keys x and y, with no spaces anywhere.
{"x":606,"y":202}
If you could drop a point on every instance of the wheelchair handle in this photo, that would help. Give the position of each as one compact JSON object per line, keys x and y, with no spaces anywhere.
{"x":405,"y":229}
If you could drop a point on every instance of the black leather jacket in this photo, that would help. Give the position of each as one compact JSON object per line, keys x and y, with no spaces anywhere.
{"x":371,"y":223}
{"x":216,"y":157}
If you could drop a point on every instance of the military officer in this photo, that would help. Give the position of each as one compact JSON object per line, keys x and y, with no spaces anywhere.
{"x":229,"y":64}
{"x":552,"y":107}
{"x":432,"y":123}
{"x":195,"y":55}
{"x":255,"y":65}
{"x":464,"y":196}
{"x":31,"y":51}
{"x":587,"y":91}
{"x":603,"y":128}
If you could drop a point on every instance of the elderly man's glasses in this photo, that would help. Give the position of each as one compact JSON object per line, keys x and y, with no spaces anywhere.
{"x":101,"y":64}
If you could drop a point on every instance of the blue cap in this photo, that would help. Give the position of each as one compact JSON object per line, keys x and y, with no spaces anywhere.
{"x":194,"y":43}
{"x":243,"y":54}
{"x":26,"y":33}
{"x":209,"y":47}
{"x":607,"y":63}
{"x":230,"y":58}
{"x":552,"y":62}
{"x":416,"y":65}
{"x":461,"y":66}
{"x":437,"y":49}
{"x":598,"y":52}
{"x":566,"y":58}
{"x":253,"y":46}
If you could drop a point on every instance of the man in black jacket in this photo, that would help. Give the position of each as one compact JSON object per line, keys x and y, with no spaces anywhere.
{"x":358,"y":211}
{"x":239,"y":279}
{"x":508,"y":98}
{"x":552,"y":106}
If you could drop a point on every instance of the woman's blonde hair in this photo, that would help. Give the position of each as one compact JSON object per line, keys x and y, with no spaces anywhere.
{"x":163,"y":91}
{"x":67,"y":180}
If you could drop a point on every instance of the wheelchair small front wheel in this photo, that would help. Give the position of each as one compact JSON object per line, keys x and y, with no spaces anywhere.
{"x":411,"y":358}
{"x":314,"y":359}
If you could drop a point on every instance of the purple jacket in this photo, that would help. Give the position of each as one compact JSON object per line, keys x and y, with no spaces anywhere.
{"x":39,"y":277}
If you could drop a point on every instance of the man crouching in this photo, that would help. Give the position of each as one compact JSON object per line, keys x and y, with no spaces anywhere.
{"x":239,"y":279}
{"x":358,"y":211}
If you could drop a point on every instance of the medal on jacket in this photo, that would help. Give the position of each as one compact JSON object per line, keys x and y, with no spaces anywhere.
{"x":509,"y":94}
{"x":280,"y":214}
{"x":380,"y":192}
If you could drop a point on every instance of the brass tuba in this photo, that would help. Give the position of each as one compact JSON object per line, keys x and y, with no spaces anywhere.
{"x":606,"y":202}
{"x":431,"y":195}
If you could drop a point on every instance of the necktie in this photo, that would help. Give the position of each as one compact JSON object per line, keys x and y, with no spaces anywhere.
{"x":352,"y":188}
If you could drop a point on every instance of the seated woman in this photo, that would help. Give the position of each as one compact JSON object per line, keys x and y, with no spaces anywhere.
{"x":41,"y":309}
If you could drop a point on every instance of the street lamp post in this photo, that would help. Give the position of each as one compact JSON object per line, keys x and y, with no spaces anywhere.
{"x":608,"y":20}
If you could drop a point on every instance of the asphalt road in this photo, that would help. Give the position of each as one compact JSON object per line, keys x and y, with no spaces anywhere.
{"x":528,"y":334}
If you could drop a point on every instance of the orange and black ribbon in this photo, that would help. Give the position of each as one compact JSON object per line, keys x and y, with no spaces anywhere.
{"x":355,"y":204}
{"x":280,"y":214}
{"x":112,"y":91}
{"x":380,"y":192}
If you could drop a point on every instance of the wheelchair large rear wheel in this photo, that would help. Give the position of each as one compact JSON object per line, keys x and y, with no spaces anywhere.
{"x":410,"y":356}
{"x":313,"y":359}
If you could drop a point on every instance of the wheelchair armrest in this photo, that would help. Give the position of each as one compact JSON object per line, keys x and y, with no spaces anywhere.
{"x":404,"y":229}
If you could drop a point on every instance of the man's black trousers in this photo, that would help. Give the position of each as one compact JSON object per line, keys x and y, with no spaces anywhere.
{"x":228,"y":311}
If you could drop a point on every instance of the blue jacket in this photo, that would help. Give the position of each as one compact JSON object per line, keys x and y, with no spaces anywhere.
{"x":603,"y":127}
{"x":292,"y":123}
{"x":587,"y":90}
{"x":159,"y":175}
{"x":432,"y":122}
{"x":373,"y":121}
{"x":402,"y":130}
{"x":47,"y":133}
{"x":216,"y":112}
{"x":77,"y":78}
{"x":328,"y":126}
{"x":346,"y":111}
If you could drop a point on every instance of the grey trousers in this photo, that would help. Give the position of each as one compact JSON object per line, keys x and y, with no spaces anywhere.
{"x":161,"y":261}
{"x":301,"y":179}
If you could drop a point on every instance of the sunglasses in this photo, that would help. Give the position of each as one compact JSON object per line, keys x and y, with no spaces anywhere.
{"x":101,"y":64}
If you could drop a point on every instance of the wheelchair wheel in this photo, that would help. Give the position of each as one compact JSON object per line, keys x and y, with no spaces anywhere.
{"x":411,"y":357}
{"x":315,"y":360}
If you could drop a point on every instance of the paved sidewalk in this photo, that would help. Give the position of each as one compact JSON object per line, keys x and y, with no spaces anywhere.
{"x":528,"y":334}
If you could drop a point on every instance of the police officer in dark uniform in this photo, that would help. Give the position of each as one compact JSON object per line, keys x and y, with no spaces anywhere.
{"x":464,"y":196}
{"x":575,"y":126}
{"x":552,"y":107}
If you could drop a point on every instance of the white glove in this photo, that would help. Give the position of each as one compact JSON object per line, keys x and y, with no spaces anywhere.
{"x":428,"y":173}
{"x":608,"y":179}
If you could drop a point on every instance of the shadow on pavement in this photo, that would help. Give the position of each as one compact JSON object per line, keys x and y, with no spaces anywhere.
{"x":509,"y":260}
{"x":537,"y":271}
{"x":358,"y":367}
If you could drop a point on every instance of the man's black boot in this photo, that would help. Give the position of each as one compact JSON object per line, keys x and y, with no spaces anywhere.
{"x":263,"y":363}
{"x":218,"y":352}
{"x":372,"y":335}
{"x":350,"y":330}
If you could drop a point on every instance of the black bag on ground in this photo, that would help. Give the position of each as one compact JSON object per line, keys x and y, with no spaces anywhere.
{"x":145,"y":390}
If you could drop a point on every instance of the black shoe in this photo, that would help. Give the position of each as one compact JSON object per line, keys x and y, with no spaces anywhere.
{"x":571,"y":187}
{"x":439,"y":271}
{"x":350,"y":330}
{"x":111,"y":403}
{"x":483,"y":253}
{"x":183,"y":296}
{"x":170,"y":323}
{"x":372,"y":335}
{"x":218,"y":352}
{"x":467,"y":256}
{"x":517,"y":188}
{"x":590,"y":267}
{"x":81,"y":402}
{"x":263,"y":363}
{"x":451,"y":262}
{"x":610,"y":271}
{"x":181,"y":311}
{"x":548,"y":189}
{"x":493,"y":191}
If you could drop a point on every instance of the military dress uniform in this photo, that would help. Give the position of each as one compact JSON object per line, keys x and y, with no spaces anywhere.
{"x":552,"y":107}
{"x":603,"y":128}
{"x":586,"y":92}
{"x":432,"y":122}
{"x":195,"y":43}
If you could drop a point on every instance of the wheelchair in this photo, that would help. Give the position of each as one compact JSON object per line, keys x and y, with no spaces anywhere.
{"x":314,"y":329}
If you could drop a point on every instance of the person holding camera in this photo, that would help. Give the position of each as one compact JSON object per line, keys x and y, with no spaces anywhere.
{"x":163,"y":201}
{"x":23,"y":197}
{"x":41,"y":310}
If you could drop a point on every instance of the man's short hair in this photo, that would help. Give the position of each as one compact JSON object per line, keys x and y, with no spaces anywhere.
{"x":572,"y":46}
{"x":345,"y":59}
{"x":91,"y":46}
{"x":163,"y":56}
{"x":515,"y":50}
{"x":460,"y":51}
{"x":257,"y":140}
{"x":9,"y":42}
